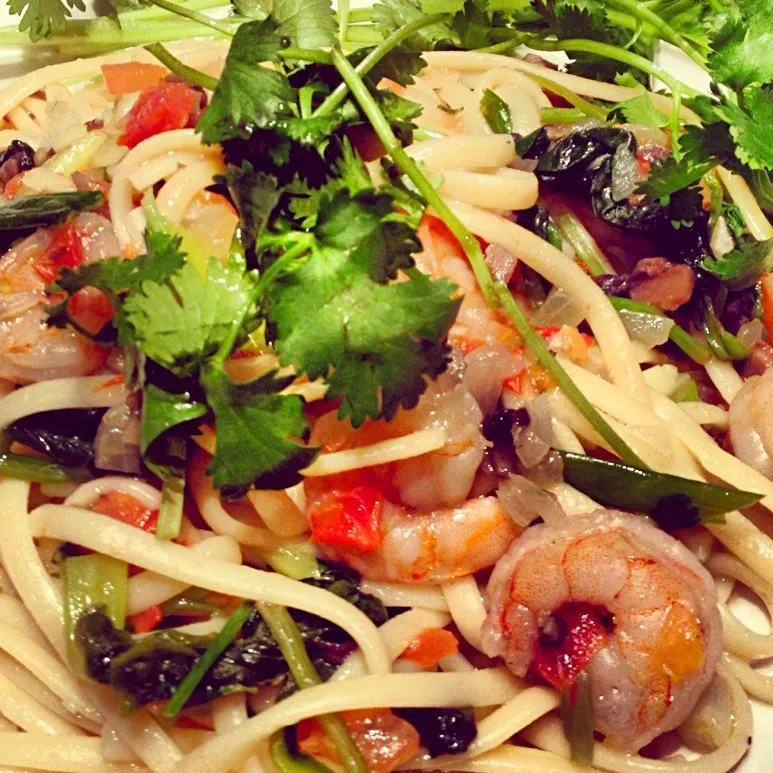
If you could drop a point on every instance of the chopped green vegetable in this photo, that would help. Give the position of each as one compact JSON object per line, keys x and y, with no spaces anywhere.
{"x":296,"y":562}
{"x":584,"y":245}
{"x":686,"y":392}
{"x":216,"y":647}
{"x":38,"y":470}
{"x":496,"y":112}
{"x":722,"y":344}
{"x":170,"y":511}
{"x":289,"y":763}
{"x":46,"y":209}
{"x":632,"y":488}
{"x":577,"y":717}
{"x":92,"y":582}
{"x":287,"y":635}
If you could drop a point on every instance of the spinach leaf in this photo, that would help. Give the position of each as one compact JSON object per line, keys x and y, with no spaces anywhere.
{"x":660,"y":495}
{"x":66,"y":436}
{"x":46,"y":209}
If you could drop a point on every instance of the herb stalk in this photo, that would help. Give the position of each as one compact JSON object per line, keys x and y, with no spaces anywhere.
{"x":288,"y":637}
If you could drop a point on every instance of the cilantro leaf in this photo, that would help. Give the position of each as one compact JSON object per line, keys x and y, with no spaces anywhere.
{"x":400,"y":65}
{"x":750,"y":117}
{"x":257,"y":430}
{"x":162,"y":410}
{"x":248,"y":95}
{"x":743,"y":43}
{"x":703,"y":149}
{"x":305,"y":23}
{"x":255,"y":195}
{"x":43,"y":17}
{"x":390,"y":15}
{"x":183,"y":321}
{"x":742,"y":267}
{"x":334,"y":315}
{"x":639,"y":110}
{"x":113,"y":276}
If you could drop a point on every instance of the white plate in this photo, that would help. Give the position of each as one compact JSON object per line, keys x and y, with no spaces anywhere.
{"x":15,"y":62}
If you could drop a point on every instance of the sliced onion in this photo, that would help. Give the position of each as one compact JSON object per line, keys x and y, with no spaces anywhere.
{"x":559,"y":309}
{"x":751,"y":332}
{"x":533,"y":442}
{"x":650,"y":329}
{"x":486,"y":368}
{"x":525,"y":501}
{"x":722,"y":240}
{"x":117,"y":444}
{"x":500,"y":262}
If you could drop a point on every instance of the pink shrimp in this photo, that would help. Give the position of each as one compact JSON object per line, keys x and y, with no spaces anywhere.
{"x":30,"y":350}
{"x":612,"y":594}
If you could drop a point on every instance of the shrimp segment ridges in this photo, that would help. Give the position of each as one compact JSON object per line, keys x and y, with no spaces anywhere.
{"x":623,"y":599}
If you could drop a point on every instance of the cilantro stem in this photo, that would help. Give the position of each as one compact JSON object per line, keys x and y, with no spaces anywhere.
{"x":393,"y":147}
{"x":343,"y":20}
{"x":563,"y":115}
{"x":586,"y":107}
{"x":360,"y":15}
{"x":363,"y":34}
{"x":339,"y":94}
{"x":495,"y":293}
{"x":288,"y":637}
{"x":216,"y":647}
{"x":545,"y":357}
{"x":613,"y":52}
{"x":665,"y":31}
{"x":173,"y":64}
{"x":265,"y":279}
{"x":190,"y":13}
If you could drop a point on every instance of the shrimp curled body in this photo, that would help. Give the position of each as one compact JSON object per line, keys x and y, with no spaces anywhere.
{"x":433,"y":546}
{"x":664,"y":634}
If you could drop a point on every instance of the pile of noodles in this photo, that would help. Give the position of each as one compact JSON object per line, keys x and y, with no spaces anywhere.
{"x":51,"y":720}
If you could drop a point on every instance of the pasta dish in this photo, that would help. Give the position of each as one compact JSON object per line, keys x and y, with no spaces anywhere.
{"x":377,"y":394}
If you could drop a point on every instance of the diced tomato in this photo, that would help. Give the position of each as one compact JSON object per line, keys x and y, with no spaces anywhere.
{"x":385,"y":740}
{"x":546,"y":333}
{"x":431,"y":646}
{"x":127,"y":77}
{"x":350,"y":518}
{"x":148,"y":619}
{"x":127,"y":509}
{"x":766,"y":291}
{"x":91,"y":309}
{"x":580,"y":631}
{"x":66,"y":249}
{"x":158,"y":109}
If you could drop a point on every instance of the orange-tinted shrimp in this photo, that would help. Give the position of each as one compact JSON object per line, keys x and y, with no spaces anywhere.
{"x":611,"y":594}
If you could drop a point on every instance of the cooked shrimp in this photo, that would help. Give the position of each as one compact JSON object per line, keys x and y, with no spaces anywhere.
{"x":30,"y":350}
{"x":412,"y":520}
{"x":751,"y":423}
{"x":397,"y":544}
{"x":612,"y":594}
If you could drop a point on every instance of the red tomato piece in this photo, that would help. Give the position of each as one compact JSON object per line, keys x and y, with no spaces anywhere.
{"x":431,"y":646}
{"x":582,"y":630}
{"x":148,"y":619}
{"x":766,"y":291}
{"x":127,"y":509}
{"x":385,"y":740}
{"x":66,"y":249}
{"x":158,"y":109}
{"x":349,"y":518}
